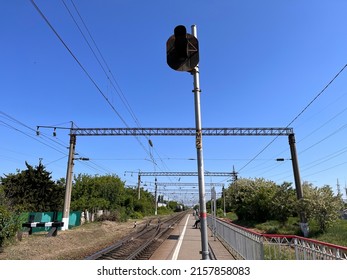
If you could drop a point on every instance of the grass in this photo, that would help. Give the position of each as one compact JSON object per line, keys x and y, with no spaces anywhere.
{"x":336,"y":234}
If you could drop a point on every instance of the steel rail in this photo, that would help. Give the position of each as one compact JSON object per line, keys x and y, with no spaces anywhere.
{"x":158,"y":232}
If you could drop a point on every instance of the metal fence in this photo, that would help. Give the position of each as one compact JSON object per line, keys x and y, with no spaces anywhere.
{"x":250,"y":245}
{"x":244,"y":244}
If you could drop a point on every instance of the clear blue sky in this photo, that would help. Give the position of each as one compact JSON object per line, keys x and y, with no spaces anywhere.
{"x":261,"y":64}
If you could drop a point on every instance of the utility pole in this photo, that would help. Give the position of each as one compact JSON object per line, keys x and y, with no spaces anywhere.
{"x":298,"y":187}
{"x":234,"y":175}
{"x":223,"y":195}
{"x":68,"y":188}
{"x":338,"y":187}
{"x":214,"y":212}
{"x":69,"y":172}
{"x":156,"y":197}
{"x":139,"y":186}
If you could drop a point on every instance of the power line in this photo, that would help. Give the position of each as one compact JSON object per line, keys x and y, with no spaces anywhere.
{"x":78,"y":62}
{"x":119,"y":90}
{"x":28,"y":135}
{"x":318,"y":95}
{"x":319,"y":161}
{"x":42,"y":141}
{"x":325,"y":138}
{"x":87,"y":73}
{"x":297,"y":116}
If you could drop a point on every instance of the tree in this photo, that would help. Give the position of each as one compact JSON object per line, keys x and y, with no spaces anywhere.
{"x":251,"y":198}
{"x":97,"y":192}
{"x":321,"y":205}
{"x":240,"y":194}
{"x":283,"y":203}
{"x":33,"y":190}
{"x":146,"y":204}
{"x":108,"y":192}
{"x":260,"y":200}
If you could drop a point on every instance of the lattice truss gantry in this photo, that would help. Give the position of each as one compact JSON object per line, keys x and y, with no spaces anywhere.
{"x":236,"y":131}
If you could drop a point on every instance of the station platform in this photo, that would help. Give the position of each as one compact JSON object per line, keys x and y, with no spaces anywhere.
{"x":184,"y":243}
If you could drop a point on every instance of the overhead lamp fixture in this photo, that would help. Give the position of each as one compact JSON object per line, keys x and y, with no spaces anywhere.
{"x":82,"y":158}
{"x":283,"y":159}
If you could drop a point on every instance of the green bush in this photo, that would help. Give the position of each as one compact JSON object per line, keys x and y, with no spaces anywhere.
{"x":9,"y":225}
{"x":117,"y":215}
{"x":163,"y":210}
{"x":136,"y":215}
{"x":220,"y":213}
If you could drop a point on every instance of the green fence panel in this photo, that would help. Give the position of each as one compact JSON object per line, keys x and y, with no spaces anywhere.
{"x":74,"y":219}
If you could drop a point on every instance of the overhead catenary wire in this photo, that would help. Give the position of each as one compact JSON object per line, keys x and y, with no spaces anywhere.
{"x":118,"y":88}
{"x":314,"y":145}
{"x":78,"y":62}
{"x":298,"y":115}
{"x":306,"y":137}
{"x":254,"y":158}
{"x":32,"y":137}
{"x":89,"y":76}
{"x":43,"y":139}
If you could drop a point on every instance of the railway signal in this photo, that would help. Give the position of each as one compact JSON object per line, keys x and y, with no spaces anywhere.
{"x":182,"y":50}
{"x":182,"y":53}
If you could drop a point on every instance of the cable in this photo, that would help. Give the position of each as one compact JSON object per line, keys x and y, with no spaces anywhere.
{"x":97,"y":168}
{"x":10,"y":118}
{"x":318,"y":95}
{"x":320,"y":127}
{"x":118,"y":89}
{"x":28,"y":135}
{"x":53,"y":161}
{"x":325,"y":138}
{"x":305,"y":108}
{"x":78,"y":62}
{"x":83,"y":69}
{"x":319,"y":161}
{"x":324,"y":159}
{"x":120,"y":93}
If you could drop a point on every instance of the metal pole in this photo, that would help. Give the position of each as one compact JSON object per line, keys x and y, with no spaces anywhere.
{"x":214,"y":211}
{"x":211,"y":213}
{"x":299,"y":192}
{"x":139,"y":186}
{"x":223,"y":194}
{"x":156,"y":197}
{"x":215,"y":217}
{"x":68,"y":188}
{"x":200,"y":160}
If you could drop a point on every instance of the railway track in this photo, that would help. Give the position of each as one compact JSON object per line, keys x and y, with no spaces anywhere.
{"x":141,"y":244}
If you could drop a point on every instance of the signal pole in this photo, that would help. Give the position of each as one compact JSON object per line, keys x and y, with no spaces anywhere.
{"x":200,"y":160}
{"x":182,"y":54}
